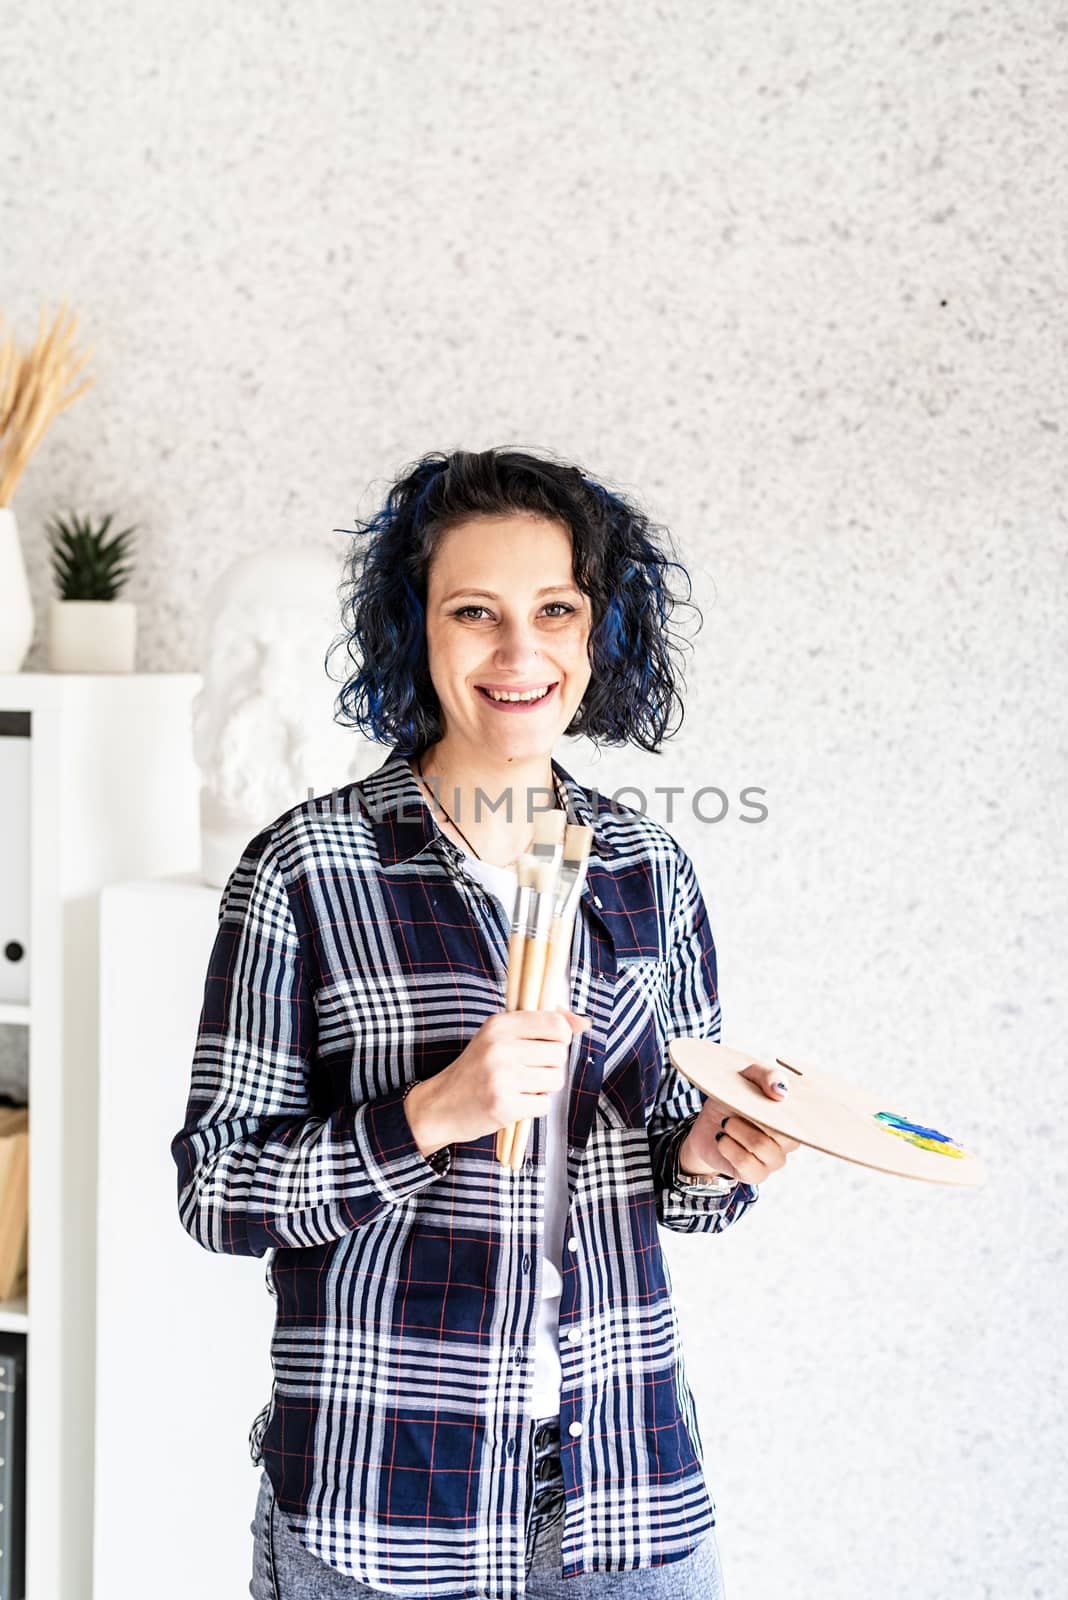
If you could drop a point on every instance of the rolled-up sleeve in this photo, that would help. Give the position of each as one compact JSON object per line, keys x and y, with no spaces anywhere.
{"x":256,"y":1168}
{"x":691,"y":1010}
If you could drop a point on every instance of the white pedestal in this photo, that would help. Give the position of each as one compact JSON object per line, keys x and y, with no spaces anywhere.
{"x":183,"y":1334}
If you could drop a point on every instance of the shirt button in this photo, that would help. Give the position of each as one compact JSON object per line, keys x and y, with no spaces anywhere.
{"x":574,"y":1429}
{"x":572,"y":1244}
{"x":574,"y":1334}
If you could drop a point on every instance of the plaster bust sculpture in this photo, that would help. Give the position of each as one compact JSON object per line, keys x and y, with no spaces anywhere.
{"x":264,"y":736}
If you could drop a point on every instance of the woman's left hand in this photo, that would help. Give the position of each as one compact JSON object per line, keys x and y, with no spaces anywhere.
{"x":721,"y":1140}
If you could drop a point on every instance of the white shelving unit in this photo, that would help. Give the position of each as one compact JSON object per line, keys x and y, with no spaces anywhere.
{"x":113,"y":793}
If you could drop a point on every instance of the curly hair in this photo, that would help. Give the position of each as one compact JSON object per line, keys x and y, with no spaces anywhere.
{"x":620,"y":559}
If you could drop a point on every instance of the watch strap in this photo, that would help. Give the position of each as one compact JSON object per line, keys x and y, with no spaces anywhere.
{"x":697,"y":1183}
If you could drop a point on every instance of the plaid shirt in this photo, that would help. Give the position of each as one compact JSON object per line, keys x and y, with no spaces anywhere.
{"x":352,"y":955}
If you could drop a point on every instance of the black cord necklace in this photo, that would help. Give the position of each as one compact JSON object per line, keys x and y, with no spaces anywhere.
{"x":456,"y":825}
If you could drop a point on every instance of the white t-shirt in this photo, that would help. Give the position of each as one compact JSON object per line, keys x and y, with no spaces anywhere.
{"x":502,"y":882}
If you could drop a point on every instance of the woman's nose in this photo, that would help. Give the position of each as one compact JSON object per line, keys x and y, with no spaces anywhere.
{"x":515,"y":642}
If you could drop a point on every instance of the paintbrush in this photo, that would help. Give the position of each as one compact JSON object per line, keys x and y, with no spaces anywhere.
{"x":521,"y":915}
{"x":540,"y":877}
{"x":546,"y":849}
{"x":555,"y":979}
{"x":548,"y":841}
{"x":555,"y":987}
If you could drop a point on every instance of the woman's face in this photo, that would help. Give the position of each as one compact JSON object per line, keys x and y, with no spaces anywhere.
{"x":503,"y":612}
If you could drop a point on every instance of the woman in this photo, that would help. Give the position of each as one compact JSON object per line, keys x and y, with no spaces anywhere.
{"x":479,"y":1388}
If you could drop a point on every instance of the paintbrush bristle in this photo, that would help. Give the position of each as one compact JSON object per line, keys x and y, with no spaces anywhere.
{"x":545,"y":875}
{"x":549,"y":826}
{"x":526,"y":867}
{"x":578,"y":842}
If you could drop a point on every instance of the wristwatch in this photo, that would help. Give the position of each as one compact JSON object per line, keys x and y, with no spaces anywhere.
{"x":696,"y":1182}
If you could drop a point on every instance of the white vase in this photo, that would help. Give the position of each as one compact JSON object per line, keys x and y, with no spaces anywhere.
{"x":92,"y":636}
{"x":16,"y":607}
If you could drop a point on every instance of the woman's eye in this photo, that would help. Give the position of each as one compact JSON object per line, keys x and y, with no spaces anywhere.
{"x":462,"y":611}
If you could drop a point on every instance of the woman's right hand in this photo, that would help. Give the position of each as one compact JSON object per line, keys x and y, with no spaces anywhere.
{"x":506,"y":1071}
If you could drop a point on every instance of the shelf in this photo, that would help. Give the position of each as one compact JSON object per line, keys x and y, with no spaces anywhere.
{"x":108,"y":790}
{"x":40,"y":691}
{"x":14,"y":1315}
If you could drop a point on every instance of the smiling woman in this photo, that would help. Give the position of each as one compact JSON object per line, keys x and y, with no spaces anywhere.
{"x":603,"y":556}
{"x":497,"y":601}
{"x":479,"y":1385}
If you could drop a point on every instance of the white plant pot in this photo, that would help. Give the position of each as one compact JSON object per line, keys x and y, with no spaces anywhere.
{"x":16,"y":607}
{"x":92,"y":635}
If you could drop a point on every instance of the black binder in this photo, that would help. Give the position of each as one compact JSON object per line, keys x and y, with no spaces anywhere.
{"x":12,"y":1466}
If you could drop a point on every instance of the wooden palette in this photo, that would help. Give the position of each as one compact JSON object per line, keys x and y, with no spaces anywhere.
{"x":828,"y":1114}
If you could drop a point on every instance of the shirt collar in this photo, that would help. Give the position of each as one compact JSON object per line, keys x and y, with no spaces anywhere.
{"x":404,"y":825}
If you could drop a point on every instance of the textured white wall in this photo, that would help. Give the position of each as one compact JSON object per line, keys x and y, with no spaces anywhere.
{"x":795,"y":276}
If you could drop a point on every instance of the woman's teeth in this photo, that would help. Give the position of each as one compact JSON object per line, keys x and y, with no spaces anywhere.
{"x":531,"y":694}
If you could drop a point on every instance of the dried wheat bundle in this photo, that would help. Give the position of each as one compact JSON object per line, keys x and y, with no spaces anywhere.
{"x":32,"y":393}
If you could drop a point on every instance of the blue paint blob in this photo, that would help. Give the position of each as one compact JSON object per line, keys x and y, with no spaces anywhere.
{"x":913,"y":1127}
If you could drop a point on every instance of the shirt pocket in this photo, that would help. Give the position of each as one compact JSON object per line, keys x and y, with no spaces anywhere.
{"x":620,"y":1150}
{"x":633,"y":1054}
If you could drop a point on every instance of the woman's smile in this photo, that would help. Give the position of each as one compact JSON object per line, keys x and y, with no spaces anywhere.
{"x":531,"y":700}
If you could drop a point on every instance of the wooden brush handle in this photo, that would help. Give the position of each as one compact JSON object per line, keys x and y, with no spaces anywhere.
{"x":512,"y":990}
{"x":554,"y":984}
{"x":515,"y":970}
{"x":533,"y":969}
{"x":553,"y":992}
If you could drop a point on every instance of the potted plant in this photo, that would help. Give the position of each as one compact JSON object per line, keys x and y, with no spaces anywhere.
{"x":32,"y":393}
{"x":89,"y":630}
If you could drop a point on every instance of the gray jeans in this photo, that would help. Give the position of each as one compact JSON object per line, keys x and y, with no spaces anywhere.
{"x":282,"y":1569}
